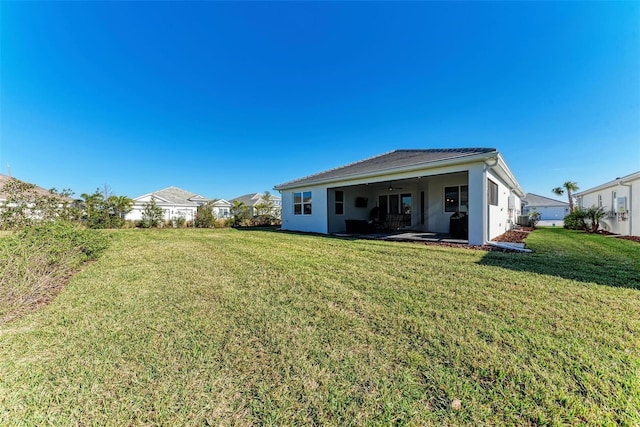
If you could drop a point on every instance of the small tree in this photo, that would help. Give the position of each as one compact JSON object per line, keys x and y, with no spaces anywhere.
{"x":570,"y":187}
{"x":118,"y":207}
{"x":585,"y":219}
{"x":151,"y":214}
{"x":94,"y":210}
{"x":240,"y":212}
{"x":534,"y":217}
{"x":592,"y":218}
{"x":265,"y":211}
{"x":204,"y":215}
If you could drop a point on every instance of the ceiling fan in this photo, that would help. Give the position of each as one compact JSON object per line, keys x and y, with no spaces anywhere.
{"x":391,"y":187}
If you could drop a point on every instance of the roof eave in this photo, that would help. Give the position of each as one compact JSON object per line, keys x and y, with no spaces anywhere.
{"x":616,"y":182}
{"x":382,"y":172}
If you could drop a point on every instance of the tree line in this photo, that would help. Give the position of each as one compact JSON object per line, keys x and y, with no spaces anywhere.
{"x":25,"y":204}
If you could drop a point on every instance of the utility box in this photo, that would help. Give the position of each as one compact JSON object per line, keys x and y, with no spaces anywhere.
{"x":511,"y":201}
{"x":523,"y":220}
{"x":621,"y":204}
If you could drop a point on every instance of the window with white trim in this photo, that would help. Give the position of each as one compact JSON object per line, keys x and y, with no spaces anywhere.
{"x":302,"y":203}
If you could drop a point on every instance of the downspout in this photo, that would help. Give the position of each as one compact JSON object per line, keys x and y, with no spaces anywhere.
{"x":487,"y":166}
{"x":630,"y":206}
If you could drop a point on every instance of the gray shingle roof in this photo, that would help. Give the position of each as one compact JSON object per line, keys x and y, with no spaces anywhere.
{"x":178,"y":196}
{"x":389,"y":161}
{"x":253,"y":199}
{"x":535,"y":200}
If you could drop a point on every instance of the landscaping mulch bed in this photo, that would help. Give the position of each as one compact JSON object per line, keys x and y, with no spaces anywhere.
{"x":514,"y":236}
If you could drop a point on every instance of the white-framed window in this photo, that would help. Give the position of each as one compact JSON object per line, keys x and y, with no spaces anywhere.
{"x":339,"y":204}
{"x":302,"y":203}
{"x":456,"y":198}
{"x":492,"y":193}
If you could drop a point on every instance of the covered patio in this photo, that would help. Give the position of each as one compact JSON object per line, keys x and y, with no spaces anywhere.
{"x":464,"y":194}
{"x":430,"y":207}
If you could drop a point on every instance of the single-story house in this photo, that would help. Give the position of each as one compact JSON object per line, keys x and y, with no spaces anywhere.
{"x":549,"y":209}
{"x":255,"y":199}
{"x":620,"y":199}
{"x":221,"y":208}
{"x":467,"y":192}
{"x":174,"y":202}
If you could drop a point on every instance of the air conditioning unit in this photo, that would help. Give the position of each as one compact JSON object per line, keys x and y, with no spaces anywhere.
{"x":523,"y":220}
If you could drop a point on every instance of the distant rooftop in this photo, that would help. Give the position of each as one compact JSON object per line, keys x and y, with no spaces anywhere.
{"x":389,"y":161}
{"x":38,"y":190}
{"x":536,"y":200}
{"x":253,"y":199}
{"x":177,"y":195}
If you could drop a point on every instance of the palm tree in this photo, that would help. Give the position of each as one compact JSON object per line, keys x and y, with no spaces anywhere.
{"x":240,"y":211}
{"x":570,"y":187}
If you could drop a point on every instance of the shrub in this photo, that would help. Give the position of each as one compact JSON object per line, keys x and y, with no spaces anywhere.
{"x":573,"y":221}
{"x":151,"y":215}
{"x":36,"y":261}
{"x":585,"y":219}
{"x":205,"y":217}
{"x":180,"y":222}
{"x":534,"y":218}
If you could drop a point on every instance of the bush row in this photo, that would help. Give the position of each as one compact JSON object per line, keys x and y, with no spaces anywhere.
{"x":36,"y":261}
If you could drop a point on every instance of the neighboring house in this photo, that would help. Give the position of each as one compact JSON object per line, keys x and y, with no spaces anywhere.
{"x":620,"y":199}
{"x":221,"y":208}
{"x":174,"y":202}
{"x":549,"y":209}
{"x":39,"y":191}
{"x":253,"y":199}
{"x":413,"y":189}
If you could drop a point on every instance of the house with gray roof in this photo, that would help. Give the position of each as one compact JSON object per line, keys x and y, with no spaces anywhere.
{"x":255,"y":199}
{"x":177,"y":203}
{"x":469,"y":193}
{"x":549,"y":209}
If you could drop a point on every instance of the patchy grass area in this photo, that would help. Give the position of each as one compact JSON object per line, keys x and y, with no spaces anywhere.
{"x":36,"y":263}
{"x":228,"y":327}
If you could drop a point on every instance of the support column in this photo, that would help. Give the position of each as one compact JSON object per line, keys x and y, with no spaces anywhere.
{"x":478,"y":219}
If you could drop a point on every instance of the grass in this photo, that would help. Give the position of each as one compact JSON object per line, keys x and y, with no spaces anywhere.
{"x":195,"y":327}
{"x":36,"y":262}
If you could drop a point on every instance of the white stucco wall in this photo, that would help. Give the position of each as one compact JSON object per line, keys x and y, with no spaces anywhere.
{"x":625,"y":224}
{"x":436,"y":218}
{"x":316,"y":222}
{"x":169,"y":212}
{"x":501,"y":217}
{"x":337,"y":222}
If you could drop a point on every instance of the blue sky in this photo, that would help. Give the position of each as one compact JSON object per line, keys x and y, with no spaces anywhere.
{"x":224,"y":99}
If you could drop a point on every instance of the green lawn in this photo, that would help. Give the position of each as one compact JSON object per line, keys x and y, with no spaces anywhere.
{"x":197,"y":327}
